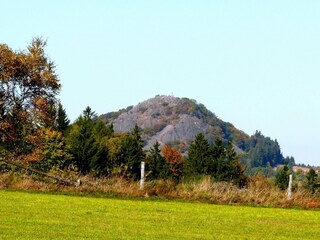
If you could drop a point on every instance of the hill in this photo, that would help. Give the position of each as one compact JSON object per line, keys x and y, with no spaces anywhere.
{"x":176,"y":121}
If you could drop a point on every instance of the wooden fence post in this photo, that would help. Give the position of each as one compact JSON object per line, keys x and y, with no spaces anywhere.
{"x":142,"y":176}
{"x":290,"y":187}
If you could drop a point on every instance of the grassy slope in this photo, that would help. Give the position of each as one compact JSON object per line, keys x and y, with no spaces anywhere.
{"x":42,"y":216}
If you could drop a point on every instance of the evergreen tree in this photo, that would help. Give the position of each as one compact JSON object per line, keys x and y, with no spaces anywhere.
{"x":88,"y":114}
{"x":216,"y":164}
{"x":312,"y":179}
{"x":234,"y":170}
{"x":220,"y":161}
{"x":157,"y":164}
{"x":110,"y":130}
{"x":62,"y":121}
{"x":198,"y":156}
{"x":101,"y":131}
{"x":82,"y":142}
{"x":227,"y":171}
{"x":132,"y":152}
{"x":264,"y":150}
{"x":282,"y":178}
{"x":289,"y":161}
{"x":100,"y":163}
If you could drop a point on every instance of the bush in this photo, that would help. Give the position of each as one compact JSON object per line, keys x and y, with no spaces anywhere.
{"x":282,"y":178}
{"x":312,"y":181}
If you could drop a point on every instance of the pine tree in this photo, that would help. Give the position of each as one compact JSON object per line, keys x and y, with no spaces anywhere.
{"x":312,"y":179}
{"x":82,"y":142}
{"x":100,"y":131}
{"x":132,"y":152}
{"x":282,"y":178}
{"x":229,"y":168}
{"x":110,"y":130}
{"x":156,"y":163}
{"x":100,"y":163}
{"x":62,"y":121}
{"x":216,"y":163}
{"x":198,"y":156}
{"x":225,"y":165}
{"x":234,"y":169}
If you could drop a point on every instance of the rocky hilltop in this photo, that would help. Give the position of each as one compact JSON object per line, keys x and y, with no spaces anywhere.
{"x":174,"y":121}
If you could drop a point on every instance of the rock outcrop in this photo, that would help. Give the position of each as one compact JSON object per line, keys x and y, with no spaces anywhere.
{"x":173,"y":121}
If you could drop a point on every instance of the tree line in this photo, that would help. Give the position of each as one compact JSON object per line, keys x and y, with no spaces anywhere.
{"x":35,"y":130}
{"x":96,"y":149}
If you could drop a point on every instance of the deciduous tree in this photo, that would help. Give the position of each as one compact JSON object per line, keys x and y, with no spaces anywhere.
{"x":51,"y":151}
{"x":175,"y":161}
{"x":28,"y":86}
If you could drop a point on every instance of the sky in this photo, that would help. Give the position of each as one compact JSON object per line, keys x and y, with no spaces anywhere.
{"x":254,"y":63}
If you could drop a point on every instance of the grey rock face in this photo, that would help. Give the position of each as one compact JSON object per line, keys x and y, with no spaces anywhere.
{"x":168,"y":119}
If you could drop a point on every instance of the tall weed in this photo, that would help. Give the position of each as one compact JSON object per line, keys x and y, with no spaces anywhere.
{"x":259,"y":192}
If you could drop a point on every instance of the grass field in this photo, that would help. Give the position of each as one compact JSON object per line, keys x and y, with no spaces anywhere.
{"x":44,"y":216}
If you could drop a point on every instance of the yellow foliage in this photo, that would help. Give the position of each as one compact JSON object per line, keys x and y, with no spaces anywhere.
{"x":27,"y":92}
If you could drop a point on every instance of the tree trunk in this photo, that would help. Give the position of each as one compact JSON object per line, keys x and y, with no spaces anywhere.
{"x":61,"y":180}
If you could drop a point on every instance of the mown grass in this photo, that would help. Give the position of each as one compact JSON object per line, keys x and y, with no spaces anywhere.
{"x":45,"y":216}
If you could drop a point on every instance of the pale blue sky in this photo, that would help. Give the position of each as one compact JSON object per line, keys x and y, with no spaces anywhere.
{"x":254,"y":63}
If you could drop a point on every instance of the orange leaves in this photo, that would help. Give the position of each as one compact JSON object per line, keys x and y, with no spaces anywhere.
{"x":31,"y":71}
{"x":172,"y":155}
{"x":7,"y":63}
{"x":28,"y":86}
{"x":35,"y":156}
{"x":175,"y":160}
{"x":43,"y":111}
{"x":40,"y":67}
{"x":48,"y":146}
{"x":37,"y":141}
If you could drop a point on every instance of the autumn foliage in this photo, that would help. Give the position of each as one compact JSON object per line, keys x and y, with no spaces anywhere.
{"x":175,"y":161}
{"x":28,"y":86}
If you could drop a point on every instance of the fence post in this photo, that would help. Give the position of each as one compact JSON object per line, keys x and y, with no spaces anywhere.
{"x":142,"y":176}
{"x":290,"y":187}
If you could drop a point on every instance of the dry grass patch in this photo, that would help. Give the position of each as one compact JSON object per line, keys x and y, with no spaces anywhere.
{"x":258,"y":193}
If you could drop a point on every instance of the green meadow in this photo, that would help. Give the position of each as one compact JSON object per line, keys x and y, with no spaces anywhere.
{"x":46,"y":216}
